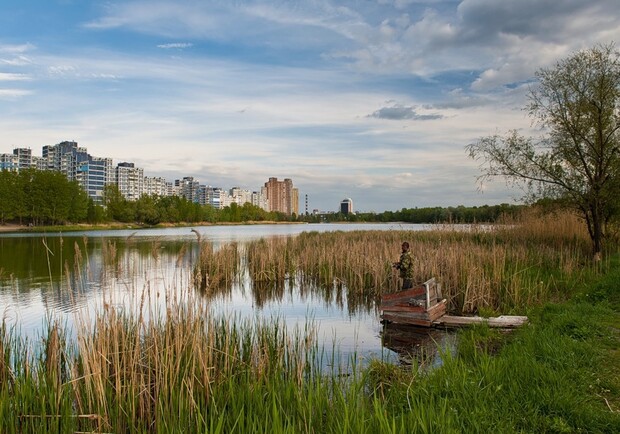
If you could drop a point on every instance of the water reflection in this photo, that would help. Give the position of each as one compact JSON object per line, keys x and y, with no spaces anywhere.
{"x":424,"y":346}
{"x":71,"y":275}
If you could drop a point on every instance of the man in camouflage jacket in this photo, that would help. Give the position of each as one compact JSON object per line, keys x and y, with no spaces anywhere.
{"x":405,"y":266}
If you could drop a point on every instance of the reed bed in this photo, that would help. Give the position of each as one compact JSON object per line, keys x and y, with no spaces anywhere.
{"x":481,"y":268}
{"x":183,"y":370}
{"x":216,"y":269}
{"x":178,"y":370}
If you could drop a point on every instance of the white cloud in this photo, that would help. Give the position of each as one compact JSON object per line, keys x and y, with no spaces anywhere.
{"x":16,"y":49}
{"x":13,"y":93}
{"x":7,"y":76}
{"x":175,"y":45}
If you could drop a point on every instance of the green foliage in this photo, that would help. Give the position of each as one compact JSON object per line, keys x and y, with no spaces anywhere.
{"x":41,"y":197}
{"x":576,"y":161}
{"x":458,"y":214}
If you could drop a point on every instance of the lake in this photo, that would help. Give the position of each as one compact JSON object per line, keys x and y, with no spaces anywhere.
{"x":70,"y":276}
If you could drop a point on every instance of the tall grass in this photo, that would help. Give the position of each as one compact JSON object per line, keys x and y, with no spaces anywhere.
{"x":195,"y":374}
{"x":216,"y":269}
{"x":481,"y":268}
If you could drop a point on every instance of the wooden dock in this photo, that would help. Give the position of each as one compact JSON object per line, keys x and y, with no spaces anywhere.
{"x":424,"y":306}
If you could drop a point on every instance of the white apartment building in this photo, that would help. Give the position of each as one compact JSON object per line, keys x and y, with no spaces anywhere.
{"x":130,"y":180}
{"x":155,"y":186}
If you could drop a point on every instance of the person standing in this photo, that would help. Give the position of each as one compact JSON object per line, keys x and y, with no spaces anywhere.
{"x":405,"y":266}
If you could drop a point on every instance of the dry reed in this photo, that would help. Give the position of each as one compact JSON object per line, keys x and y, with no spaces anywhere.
{"x":504,"y":267}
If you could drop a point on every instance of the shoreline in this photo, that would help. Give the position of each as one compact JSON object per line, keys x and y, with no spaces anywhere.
{"x":15,"y":228}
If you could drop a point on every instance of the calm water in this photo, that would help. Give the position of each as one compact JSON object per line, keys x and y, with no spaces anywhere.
{"x":68,"y":277}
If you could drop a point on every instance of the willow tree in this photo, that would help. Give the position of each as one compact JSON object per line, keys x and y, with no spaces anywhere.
{"x":576,"y":159}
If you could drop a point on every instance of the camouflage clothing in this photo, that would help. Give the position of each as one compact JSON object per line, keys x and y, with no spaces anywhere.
{"x":405,"y":266}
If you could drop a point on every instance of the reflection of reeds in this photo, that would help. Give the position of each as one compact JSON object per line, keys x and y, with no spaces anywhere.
{"x":110,"y":254}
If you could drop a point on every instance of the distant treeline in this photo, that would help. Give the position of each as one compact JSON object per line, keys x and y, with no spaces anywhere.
{"x":459,"y":214}
{"x":48,"y":198}
{"x":41,"y":197}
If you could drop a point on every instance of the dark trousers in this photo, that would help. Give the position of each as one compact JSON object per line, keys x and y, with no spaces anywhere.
{"x":407,"y":283}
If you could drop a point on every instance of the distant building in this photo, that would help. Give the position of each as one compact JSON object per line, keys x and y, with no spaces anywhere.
{"x":155,"y":186}
{"x":24,"y":157}
{"x":130,"y":180}
{"x":92,"y":173}
{"x":259,"y":199}
{"x":188,"y":188}
{"x":282,"y":196}
{"x":9,"y":162}
{"x":213,"y":196}
{"x":346,"y":206}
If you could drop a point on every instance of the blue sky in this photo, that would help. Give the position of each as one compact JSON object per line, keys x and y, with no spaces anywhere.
{"x":369,"y":99}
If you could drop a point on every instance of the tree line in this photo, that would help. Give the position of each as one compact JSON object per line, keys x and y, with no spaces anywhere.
{"x":41,"y":197}
{"x":429,"y":215}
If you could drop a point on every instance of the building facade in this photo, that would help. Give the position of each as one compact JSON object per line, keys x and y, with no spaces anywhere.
{"x":130,"y":180}
{"x":282,"y":196}
{"x":346,"y":206}
{"x":92,"y":173}
{"x":155,"y":186}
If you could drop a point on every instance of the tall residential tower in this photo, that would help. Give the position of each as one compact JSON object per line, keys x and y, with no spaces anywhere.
{"x":282,"y":196}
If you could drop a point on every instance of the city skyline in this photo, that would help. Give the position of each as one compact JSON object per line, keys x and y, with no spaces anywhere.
{"x":94,"y":173}
{"x":372,"y":100}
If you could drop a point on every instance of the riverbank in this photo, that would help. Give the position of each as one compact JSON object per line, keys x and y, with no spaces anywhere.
{"x":9,"y":228}
{"x":12,"y":228}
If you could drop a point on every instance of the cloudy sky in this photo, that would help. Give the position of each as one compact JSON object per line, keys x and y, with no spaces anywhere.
{"x":369,"y":99}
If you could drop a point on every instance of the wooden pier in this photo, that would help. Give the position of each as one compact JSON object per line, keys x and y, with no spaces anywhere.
{"x":424,"y":306}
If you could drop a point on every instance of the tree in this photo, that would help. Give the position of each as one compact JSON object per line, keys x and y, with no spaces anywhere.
{"x":8,"y":192}
{"x":576,"y":160}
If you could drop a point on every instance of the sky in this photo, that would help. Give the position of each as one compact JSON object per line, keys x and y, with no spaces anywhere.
{"x":373,"y":100}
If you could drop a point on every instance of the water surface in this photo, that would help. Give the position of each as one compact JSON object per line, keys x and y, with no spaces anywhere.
{"x":69,"y":276}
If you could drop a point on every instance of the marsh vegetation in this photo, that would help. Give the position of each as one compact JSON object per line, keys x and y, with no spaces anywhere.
{"x":174,"y":366}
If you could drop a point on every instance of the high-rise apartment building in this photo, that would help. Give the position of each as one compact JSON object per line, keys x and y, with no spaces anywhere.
{"x":92,"y":173}
{"x":24,"y":157}
{"x":212,"y":196}
{"x":282,"y":196}
{"x":20,"y":159}
{"x":259,"y":199}
{"x":130,"y":180}
{"x":9,"y":162}
{"x":155,"y":186}
{"x":189,"y":188}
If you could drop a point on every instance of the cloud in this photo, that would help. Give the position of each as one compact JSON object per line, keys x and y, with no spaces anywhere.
{"x":7,"y":76}
{"x":176,"y":45}
{"x":398,"y":112}
{"x":13,"y":93}
{"x":16,"y":49}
